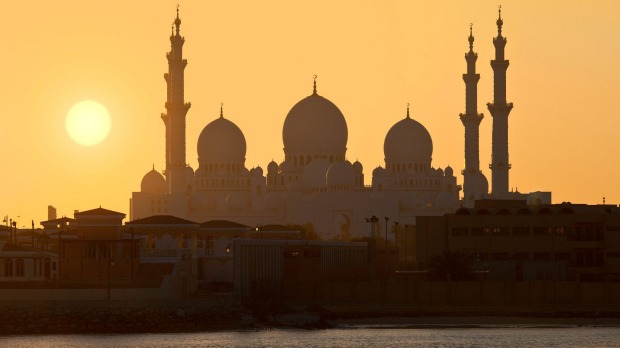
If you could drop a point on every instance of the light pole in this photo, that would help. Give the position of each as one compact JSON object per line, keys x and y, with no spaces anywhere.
{"x":385,"y":249}
{"x":110,"y":264}
{"x":372,"y":248}
{"x":405,"y":248}
{"x":395,"y":234}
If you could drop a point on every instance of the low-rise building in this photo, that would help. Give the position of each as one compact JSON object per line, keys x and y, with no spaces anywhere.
{"x":516,"y":241}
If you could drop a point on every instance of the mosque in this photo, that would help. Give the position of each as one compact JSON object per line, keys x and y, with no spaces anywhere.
{"x":316,"y":184}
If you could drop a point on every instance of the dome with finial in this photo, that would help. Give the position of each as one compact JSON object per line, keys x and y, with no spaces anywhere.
{"x":500,"y":22}
{"x":177,"y":21}
{"x":357,"y":167}
{"x":315,"y":125}
{"x":448,"y":171}
{"x":153,"y":182}
{"x":221,"y":141}
{"x":408,"y":141}
{"x":272,"y":167}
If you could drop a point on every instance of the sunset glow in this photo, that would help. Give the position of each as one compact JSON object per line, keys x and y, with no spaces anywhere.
{"x":88,"y":123}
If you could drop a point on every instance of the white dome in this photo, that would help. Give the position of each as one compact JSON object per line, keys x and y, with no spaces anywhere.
{"x":221,"y":141}
{"x":256,"y":172}
{"x":477,"y":184}
{"x":378,"y":172}
{"x":283,"y":167}
{"x":408,"y":141}
{"x":272,"y":167}
{"x":449,"y":172}
{"x":341,"y":174}
{"x":235,"y":201}
{"x":315,"y":125}
{"x":315,"y":173}
{"x":153,"y":182}
{"x":357,"y":167}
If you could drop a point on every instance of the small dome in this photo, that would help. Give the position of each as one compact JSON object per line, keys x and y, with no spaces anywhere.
{"x":357,"y":167}
{"x":272,"y":167}
{"x":256,"y":172}
{"x":449,"y":172}
{"x":315,"y":173}
{"x":446,"y":201}
{"x":408,"y":141}
{"x":439,"y":171}
{"x":340,"y":174}
{"x":235,"y":201}
{"x":153,"y":182}
{"x":378,"y":172}
{"x":221,"y":141}
{"x":315,"y":124}
{"x":477,"y":183}
{"x":283,"y":167}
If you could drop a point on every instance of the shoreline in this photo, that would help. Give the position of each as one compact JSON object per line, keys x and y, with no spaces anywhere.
{"x":19,"y":320}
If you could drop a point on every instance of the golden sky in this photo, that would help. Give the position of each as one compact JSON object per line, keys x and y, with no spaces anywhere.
{"x":258,"y":58}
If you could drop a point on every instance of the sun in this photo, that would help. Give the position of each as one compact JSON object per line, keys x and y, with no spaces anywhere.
{"x":88,"y":123}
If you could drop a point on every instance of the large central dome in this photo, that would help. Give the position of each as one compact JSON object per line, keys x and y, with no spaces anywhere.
{"x":221,"y":141}
{"x":408,"y":141}
{"x":315,"y":126}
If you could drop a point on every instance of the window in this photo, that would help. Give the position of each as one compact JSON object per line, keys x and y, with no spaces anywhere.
{"x":19,"y":268}
{"x":209,"y":246}
{"x":521,"y":231}
{"x":8,"y":267}
{"x":501,"y":230}
{"x":538,"y":231}
{"x":479,"y":231}
{"x":542,"y":256}
{"x":459,"y":231}
{"x":521,"y":256}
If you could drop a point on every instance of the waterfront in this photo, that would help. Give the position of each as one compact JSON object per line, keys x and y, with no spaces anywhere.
{"x":352,"y":336}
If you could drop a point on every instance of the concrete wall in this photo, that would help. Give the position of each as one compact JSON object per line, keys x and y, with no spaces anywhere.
{"x":530,"y":294}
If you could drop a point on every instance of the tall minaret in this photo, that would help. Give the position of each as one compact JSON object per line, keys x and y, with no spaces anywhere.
{"x":471,"y":121}
{"x":176,"y":111}
{"x":499,"y":109}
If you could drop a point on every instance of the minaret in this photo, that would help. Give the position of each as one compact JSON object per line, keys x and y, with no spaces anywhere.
{"x":499,"y":109}
{"x":471,"y":121}
{"x":176,"y":111}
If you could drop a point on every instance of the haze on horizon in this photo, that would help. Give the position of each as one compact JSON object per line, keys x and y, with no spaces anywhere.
{"x":259,"y":58}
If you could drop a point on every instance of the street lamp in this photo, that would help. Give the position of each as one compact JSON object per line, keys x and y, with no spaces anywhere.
{"x":372,"y":249}
{"x":110,"y":264}
{"x":405,"y":248}
{"x":396,"y":234}
{"x":385,"y":249}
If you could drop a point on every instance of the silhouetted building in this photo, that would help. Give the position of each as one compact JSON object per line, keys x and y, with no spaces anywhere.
{"x":516,"y":241}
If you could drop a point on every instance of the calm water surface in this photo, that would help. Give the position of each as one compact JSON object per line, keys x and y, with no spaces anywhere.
{"x":351,"y":337}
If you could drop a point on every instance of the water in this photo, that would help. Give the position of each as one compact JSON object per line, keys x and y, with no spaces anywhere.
{"x":344,"y":337}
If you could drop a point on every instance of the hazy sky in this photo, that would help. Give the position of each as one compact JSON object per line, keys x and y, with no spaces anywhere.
{"x":258,"y":58}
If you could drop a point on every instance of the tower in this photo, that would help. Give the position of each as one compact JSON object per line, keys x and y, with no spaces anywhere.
{"x":176,"y":111}
{"x":474,"y":182}
{"x":499,"y":110}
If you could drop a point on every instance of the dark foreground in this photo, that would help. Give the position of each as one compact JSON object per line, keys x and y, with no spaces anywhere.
{"x":194,"y":317}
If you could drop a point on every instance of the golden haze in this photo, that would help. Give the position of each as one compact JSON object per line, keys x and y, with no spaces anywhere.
{"x":259,"y":57}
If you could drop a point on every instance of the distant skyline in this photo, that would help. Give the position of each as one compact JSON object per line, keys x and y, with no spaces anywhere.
{"x":259,"y":58}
